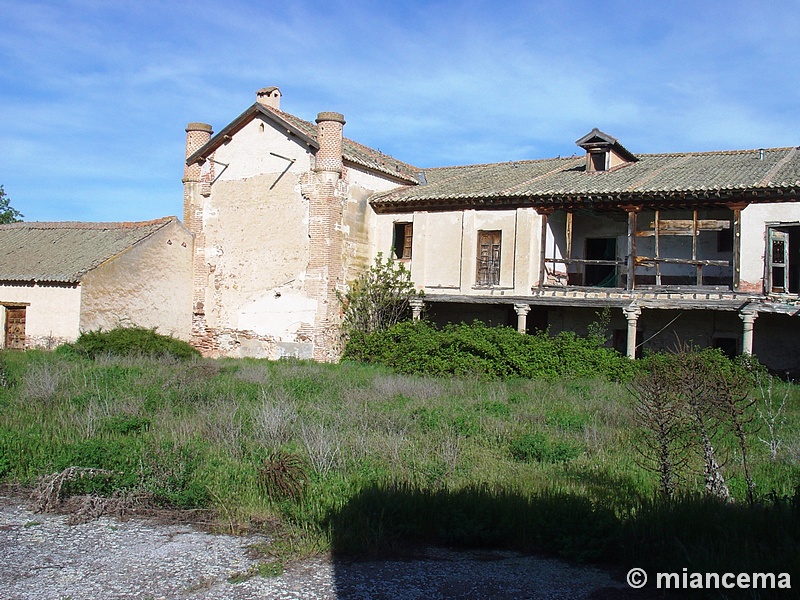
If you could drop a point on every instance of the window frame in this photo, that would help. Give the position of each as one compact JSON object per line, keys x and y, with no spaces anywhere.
{"x":488,"y":260}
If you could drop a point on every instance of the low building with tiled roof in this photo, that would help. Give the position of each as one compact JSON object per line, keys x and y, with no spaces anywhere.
{"x":696,"y":246}
{"x":58,"y":279}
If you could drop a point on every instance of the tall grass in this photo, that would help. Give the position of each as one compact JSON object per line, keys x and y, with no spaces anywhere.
{"x":380,"y":459}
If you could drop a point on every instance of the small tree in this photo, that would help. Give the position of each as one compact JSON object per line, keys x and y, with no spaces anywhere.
{"x":8,"y":214}
{"x":686,"y":400}
{"x":378,"y":298}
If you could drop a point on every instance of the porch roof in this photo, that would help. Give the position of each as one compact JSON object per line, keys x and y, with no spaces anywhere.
{"x":682,"y":179}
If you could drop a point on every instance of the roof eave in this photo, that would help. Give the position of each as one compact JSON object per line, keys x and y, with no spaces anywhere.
{"x":224,"y":135}
{"x":609,"y":200}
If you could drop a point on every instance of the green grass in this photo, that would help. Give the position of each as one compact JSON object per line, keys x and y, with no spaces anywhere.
{"x":383,"y":459}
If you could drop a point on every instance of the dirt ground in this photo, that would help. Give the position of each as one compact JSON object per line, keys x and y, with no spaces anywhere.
{"x":46,"y":557}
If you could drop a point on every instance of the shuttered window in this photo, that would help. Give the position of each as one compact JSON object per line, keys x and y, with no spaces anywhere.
{"x":403,"y":235}
{"x":488,"y":271}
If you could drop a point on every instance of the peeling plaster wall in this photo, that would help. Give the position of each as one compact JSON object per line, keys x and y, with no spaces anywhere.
{"x":149,"y":285}
{"x":754,"y":226}
{"x":259,"y":299}
{"x":52,"y":316}
{"x":361,"y":224}
{"x":257,"y":243}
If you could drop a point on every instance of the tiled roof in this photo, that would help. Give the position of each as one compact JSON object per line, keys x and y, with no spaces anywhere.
{"x":63,"y":252}
{"x":351,"y":151}
{"x":753,"y":175}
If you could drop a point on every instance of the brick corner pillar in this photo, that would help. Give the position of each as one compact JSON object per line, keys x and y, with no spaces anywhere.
{"x":326,"y":268}
{"x":328,"y":160}
{"x":197,"y":135}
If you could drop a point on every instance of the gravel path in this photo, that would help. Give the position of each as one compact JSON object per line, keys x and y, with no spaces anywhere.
{"x":45,"y":558}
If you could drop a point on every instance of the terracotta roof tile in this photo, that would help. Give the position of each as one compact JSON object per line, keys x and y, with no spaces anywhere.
{"x":561,"y":179}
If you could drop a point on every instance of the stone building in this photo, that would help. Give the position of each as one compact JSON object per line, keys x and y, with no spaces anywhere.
{"x":696,"y":246}
{"x":58,"y":279}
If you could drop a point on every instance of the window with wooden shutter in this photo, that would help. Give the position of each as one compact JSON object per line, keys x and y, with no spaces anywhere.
{"x":403,"y":235}
{"x":488,"y":270}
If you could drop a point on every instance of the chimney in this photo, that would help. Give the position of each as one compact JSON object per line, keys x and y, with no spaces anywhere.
{"x":269,"y":96}
{"x":329,"y":137}
{"x":197,"y":135}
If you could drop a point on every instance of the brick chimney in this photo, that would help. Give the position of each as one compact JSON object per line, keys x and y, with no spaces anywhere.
{"x":328,"y":162}
{"x":269,"y":96}
{"x":197,"y":134}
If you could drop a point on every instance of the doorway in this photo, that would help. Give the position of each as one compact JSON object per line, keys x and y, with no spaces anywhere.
{"x":15,"y":328}
{"x":601,"y":275}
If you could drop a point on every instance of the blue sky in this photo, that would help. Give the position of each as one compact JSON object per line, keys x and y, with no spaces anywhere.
{"x":95,"y":94}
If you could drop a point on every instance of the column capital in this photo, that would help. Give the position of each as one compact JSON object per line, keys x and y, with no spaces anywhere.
{"x":748,"y":315}
{"x":632,"y":311}
{"x":416,"y":304}
{"x":522,"y":309}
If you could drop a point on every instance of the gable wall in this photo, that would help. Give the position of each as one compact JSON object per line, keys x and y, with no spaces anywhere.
{"x":264,"y":292}
{"x":149,"y":285}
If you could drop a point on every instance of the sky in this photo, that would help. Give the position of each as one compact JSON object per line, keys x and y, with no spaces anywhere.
{"x":95,"y":95}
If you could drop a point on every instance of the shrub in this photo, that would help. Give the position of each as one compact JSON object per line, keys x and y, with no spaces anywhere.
{"x":378,"y":298}
{"x":128,"y":341}
{"x":488,"y":352}
{"x":538,"y":447}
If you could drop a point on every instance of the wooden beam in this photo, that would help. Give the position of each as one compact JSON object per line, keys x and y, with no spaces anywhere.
{"x":683,"y":226}
{"x":631,"y":247}
{"x":737,"y":246}
{"x":543,"y":249}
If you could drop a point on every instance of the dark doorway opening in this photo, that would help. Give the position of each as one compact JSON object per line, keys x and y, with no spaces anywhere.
{"x":601,"y":275}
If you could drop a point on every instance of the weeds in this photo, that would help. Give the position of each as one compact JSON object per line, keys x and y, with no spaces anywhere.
{"x":348,"y":456}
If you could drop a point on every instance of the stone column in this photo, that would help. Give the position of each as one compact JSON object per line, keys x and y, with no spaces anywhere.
{"x":417,"y":304}
{"x":522,"y":317}
{"x":632,"y":314}
{"x":748,"y":315}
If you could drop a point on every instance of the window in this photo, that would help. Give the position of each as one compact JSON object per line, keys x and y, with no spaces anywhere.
{"x":488,"y":271}
{"x":598,"y":161}
{"x":783,"y":259}
{"x":403,"y":235}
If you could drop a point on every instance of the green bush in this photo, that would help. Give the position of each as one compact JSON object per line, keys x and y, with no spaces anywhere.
{"x":538,"y":447}
{"x":128,"y":341}
{"x":417,"y":347}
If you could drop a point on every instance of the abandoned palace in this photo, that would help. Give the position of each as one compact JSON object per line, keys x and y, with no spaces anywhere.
{"x":281,"y":213}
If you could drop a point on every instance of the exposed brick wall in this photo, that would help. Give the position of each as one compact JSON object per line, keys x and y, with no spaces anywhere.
{"x":194,"y":179}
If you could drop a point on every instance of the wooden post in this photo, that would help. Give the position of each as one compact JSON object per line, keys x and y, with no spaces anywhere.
{"x":543,"y":212}
{"x":737,"y":242}
{"x":631,"y":210}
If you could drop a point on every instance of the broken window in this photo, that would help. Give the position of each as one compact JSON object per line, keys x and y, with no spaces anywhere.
{"x":488,"y":271}
{"x":403,"y":235}
{"x":783,"y":258}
